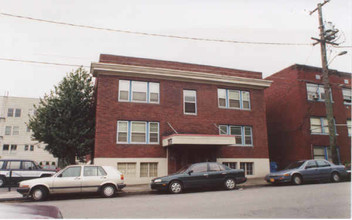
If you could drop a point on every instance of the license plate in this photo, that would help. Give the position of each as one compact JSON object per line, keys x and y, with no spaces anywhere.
{"x":272,"y":180}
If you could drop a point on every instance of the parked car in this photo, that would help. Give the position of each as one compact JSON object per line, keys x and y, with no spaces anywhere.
{"x":75,"y":179}
{"x":29,"y":212}
{"x":308,"y":170}
{"x":21,"y":170}
{"x":200,"y":175}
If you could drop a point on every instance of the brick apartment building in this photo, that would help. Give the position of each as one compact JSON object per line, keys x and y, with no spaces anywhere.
{"x":153,"y":117}
{"x":296,"y":114}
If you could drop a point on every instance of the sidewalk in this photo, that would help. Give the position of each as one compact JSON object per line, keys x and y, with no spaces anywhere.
{"x":5,"y":195}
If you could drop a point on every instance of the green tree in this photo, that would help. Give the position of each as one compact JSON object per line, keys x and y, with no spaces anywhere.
{"x":65,"y":119}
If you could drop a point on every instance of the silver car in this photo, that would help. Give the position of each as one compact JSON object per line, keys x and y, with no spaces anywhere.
{"x":75,"y":179}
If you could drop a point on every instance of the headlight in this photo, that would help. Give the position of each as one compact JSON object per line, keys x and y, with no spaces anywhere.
{"x":157,"y":181}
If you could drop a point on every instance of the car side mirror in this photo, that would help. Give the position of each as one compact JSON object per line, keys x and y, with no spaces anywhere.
{"x":190,"y":172}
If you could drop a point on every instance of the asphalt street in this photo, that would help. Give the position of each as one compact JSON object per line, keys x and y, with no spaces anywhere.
{"x":324,"y":200}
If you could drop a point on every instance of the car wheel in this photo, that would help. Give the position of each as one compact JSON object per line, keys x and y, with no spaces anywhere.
{"x":230,"y":184}
{"x":108,"y":191}
{"x":335,"y":177}
{"x":297,"y":179}
{"x":175,"y":187}
{"x":39,"y":193}
{"x":2,"y":181}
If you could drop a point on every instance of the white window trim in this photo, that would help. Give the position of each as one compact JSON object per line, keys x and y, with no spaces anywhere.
{"x":146,"y":133}
{"x":321,"y":126}
{"x":184,"y":103}
{"x":343,"y":96}
{"x":117,"y":133}
{"x":129,"y":91}
{"x":242,"y":134}
{"x":227,"y":100}
{"x":319,"y":93}
{"x":158,"y":142}
{"x":148,"y":95}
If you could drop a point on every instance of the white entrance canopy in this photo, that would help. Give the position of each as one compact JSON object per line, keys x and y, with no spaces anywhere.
{"x":198,"y":139}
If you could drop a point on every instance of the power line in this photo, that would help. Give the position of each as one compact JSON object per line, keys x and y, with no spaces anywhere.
{"x":41,"y":62}
{"x":156,"y":35}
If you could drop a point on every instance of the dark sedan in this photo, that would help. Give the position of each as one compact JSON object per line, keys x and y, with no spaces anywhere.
{"x":308,"y":170}
{"x":200,"y":175}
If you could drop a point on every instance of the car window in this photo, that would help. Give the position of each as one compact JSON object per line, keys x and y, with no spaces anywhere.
{"x":13,"y":165}
{"x":322,"y":163}
{"x":214,"y":167}
{"x":72,"y":172}
{"x":311,"y":164}
{"x":28,"y":165}
{"x":223,"y":167}
{"x":93,"y":171}
{"x":198,"y":168}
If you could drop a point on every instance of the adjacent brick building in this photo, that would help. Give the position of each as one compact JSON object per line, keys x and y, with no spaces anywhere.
{"x":296,"y":114}
{"x":153,"y":117}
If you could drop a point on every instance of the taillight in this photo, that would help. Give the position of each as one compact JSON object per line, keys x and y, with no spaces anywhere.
{"x":122,"y":177}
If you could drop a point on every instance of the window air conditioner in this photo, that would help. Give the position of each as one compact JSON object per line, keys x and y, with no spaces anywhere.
{"x":315,"y":96}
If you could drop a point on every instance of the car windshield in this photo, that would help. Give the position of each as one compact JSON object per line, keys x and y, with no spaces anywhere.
{"x":294,"y":165}
{"x":183,"y":169}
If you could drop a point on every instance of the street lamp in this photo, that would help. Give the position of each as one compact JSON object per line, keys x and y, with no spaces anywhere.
{"x":339,"y":54}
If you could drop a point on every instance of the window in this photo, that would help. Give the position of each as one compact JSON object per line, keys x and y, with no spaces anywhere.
{"x":149,"y":170}
{"x":1,"y":164}
{"x":28,"y":129}
{"x":243,"y":134}
{"x":26,"y":147}
{"x":47,"y":163}
{"x":15,"y":130}
{"x":93,"y":171}
{"x":316,"y":92}
{"x":200,"y":168}
{"x":232,"y":165}
{"x":234,"y":99}
{"x":71,"y":172}
{"x":319,"y":126}
{"x":349,"y":127}
{"x":323,"y":163}
{"x":18,"y":112}
{"x":28,"y":165}
{"x":311,"y":164}
{"x":189,"y":102}
{"x":347,"y":96}
{"x":10,"y":112}
{"x":31,"y":112}
{"x":154,"y":132}
{"x":8,"y":130}
{"x":128,"y":169}
{"x":137,"y":132}
{"x":214,"y":167}
{"x":32,"y":148}
{"x":5,"y":147}
{"x":13,"y":165}
{"x":53,"y":163}
{"x":138,"y":91}
{"x":13,"y":147}
{"x":322,"y":153}
{"x":247,"y":167}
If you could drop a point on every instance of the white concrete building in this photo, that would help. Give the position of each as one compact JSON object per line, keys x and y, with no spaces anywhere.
{"x":15,"y":136}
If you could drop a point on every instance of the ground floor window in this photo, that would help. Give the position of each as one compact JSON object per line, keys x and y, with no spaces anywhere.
{"x":232,"y":165}
{"x":149,"y":170}
{"x":247,"y":167}
{"x":128,"y":169}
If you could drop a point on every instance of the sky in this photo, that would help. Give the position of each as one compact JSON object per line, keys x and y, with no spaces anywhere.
{"x":282,"y":21}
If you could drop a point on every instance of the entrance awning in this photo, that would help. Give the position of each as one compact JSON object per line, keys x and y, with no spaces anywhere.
{"x":198,"y":139}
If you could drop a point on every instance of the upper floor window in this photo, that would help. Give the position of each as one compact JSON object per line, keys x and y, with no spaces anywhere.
{"x":243,"y":134}
{"x":189,"y":102}
{"x":8,"y":130}
{"x":319,"y":125}
{"x":10,"y":112}
{"x":349,"y":127}
{"x":15,"y":130}
{"x":138,"y":91}
{"x":137,"y":132}
{"x":18,"y":112}
{"x":316,"y":92}
{"x":347,"y":96}
{"x":234,"y":99}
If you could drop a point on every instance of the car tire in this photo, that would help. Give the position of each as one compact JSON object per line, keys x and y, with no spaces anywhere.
{"x":230,"y":184}
{"x":297,"y":179}
{"x":175,"y":187}
{"x":335,"y":177}
{"x":2,"y":181}
{"x":108,"y":191}
{"x":39,"y":193}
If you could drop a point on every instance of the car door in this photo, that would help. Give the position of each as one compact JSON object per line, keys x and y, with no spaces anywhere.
{"x":310,"y":171}
{"x":13,"y":168}
{"x":93,"y":177}
{"x":197,"y":176}
{"x":68,"y":181}
{"x":324,"y":170}
{"x":29,"y":170}
{"x":216,"y":175}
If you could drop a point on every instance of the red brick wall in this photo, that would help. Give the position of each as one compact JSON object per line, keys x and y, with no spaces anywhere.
{"x":289,"y":112}
{"x":170,"y":109}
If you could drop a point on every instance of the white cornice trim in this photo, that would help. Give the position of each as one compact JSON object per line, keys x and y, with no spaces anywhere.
{"x":178,"y":75}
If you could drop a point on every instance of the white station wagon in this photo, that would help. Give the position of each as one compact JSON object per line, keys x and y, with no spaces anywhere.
{"x":75,"y":179}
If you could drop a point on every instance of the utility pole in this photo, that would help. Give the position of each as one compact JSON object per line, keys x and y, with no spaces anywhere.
{"x":325,"y":76}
